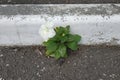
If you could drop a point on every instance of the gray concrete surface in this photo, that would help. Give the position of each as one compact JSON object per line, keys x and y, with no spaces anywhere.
{"x":96,"y":23}
{"x":87,"y":63}
{"x":56,"y":1}
{"x":60,"y":9}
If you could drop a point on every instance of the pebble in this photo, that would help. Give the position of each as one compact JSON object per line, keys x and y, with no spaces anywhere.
{"x":85,"y":56}
{"x":1,"y":79}
{"x":112,"y":75}
{"x":43,"y":69}
{"x":42,"y":62}
{"x":1,"y":55}
{"x":74,"y":64}
{"x":38,"y":74}
{"x":104,"y":74}
{"x":9,"y":1}
{"x":22,"y":57}
{"x":38,"y":66}
{"x":7,"y":65}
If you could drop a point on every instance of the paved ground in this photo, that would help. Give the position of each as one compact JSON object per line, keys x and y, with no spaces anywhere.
{"x":88,"y":63}
{"x":57,"y":1}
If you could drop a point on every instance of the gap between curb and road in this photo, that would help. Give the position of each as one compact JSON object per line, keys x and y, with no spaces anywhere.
{"x":96,"y":23}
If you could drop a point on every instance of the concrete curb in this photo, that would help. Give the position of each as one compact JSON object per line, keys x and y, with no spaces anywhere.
{"x":96,"y":23}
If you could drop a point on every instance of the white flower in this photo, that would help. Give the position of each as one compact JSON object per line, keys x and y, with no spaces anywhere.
{"x":47,"y":31}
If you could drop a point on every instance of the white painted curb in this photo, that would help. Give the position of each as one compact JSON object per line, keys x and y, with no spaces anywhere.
{"x":98,"y":27}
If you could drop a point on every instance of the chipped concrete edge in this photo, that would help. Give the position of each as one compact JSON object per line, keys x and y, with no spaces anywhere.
{"x":96,"y":23}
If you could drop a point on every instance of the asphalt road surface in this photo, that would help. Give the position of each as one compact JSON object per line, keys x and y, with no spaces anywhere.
{"x":87,"y":63}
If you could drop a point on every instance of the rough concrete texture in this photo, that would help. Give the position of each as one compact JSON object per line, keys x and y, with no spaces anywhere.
{"x":87,"y":63}
{"x":60,"y":9}
{"x":56,"y":1}
{"x":96,"y":23}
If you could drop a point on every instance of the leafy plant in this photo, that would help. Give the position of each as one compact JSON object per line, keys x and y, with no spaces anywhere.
{"x":57,"y":45}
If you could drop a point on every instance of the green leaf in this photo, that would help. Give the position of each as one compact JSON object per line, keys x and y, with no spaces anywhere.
{"x":59,"y":30}
{"x":48,"y":53}
{"x":57,"y":55}
{"x":72,"y":45}
{"x":64,"y":39}
{"x":62,"y":50}
{"x":75,"y":38}
{"x":67,"y":29}
{"x":57,"y":45}
{"x":62,"y":31}
{"x":51,"y":46}
{"x":52,"y":55}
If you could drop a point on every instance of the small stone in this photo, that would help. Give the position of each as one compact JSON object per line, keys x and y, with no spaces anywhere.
{"x":9,"y":1}
{"x":74,"y":64}
{"x":1,"y":55}
{"x":43,"y":69}
{"x":22,"y":57}
{"x":112,"y":75}
{"x":42,"y":62}
{"x":38,"y":66}
{"x":7,"y":65}
{"x":104,"y":74}
{"x":38,"y":74}
{"x":60,"y":72}
{"x":1,"y":79}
